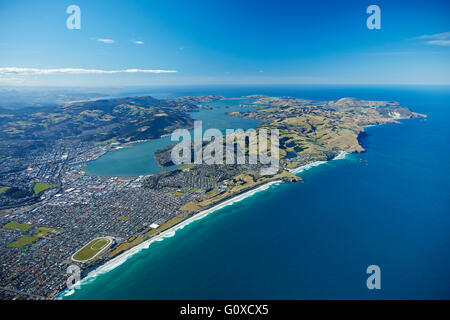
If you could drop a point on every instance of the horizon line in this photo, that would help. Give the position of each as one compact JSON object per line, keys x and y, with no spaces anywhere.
{"x":221,"y":84}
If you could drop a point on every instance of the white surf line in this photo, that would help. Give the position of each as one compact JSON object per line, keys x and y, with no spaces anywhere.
{"x":341,"y":155}
{"x":117,"y":261}
{"x":306,"y":166}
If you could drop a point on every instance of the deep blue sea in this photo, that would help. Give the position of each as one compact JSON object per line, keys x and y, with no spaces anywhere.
{"x":314,"y":240}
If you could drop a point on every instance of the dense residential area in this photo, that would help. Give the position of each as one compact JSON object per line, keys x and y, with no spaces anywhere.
{"x":51,"y":208}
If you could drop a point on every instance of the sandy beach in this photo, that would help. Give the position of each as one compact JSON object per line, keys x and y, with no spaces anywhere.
{"x":341,"y":155}
{"x":121,"y":258}
{"x":117,"y":261}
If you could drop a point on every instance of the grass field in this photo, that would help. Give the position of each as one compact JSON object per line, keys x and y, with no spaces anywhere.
{"x":212,"y":193}
{"x":38,"y":187}
{"x":109,"y":141}
{"x":22,"y":242}
{"x":188,"y":166}
{"x":126,"y":245}
{"x":165,"y":226}
{"x":28,"y":240}
{"x":91,"y":249}
{"x":191,"y":206}
{"x":18,"y":226}
{"x":123,"y":218}
{"x":3,"y":189}
{"x":42,"y":231}
{"x":135,"y":240}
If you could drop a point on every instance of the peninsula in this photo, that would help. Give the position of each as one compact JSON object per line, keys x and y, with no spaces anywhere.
{"x":54,"y":215}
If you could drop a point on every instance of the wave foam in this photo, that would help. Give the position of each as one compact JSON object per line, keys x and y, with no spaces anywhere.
{"x":117,"y":261}
{"x":341,"y":155}
{"x":307,"y":166}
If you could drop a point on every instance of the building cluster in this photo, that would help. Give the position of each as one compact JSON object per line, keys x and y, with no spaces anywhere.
{"x":82,"y":208}
{"x":43,"y":164}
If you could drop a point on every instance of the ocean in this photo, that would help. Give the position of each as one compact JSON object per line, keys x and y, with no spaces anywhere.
{"x":388,"y":207}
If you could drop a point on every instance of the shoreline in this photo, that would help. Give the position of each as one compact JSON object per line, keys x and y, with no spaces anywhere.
{"x":123,"y":257}
{"x":124,"y":145}
{"x":341,"y":155}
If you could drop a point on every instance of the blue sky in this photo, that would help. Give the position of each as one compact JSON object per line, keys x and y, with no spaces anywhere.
{"x":224,"y":42}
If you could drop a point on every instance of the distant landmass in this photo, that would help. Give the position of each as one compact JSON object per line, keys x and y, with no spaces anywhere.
{"x":45,"y":194}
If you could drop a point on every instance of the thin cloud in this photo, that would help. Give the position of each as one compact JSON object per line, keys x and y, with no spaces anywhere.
{"x":37,"y":71}
{"x":394,"y":53}
{"x":108,"y":41}
{"x":445,"y":43}
{"x":437,"y":39}
{"x":9,"y":80}
{"x":438,"y":36}
{"x":139,"y":42}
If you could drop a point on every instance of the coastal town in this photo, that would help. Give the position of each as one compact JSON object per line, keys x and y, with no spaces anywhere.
{"x":51,"y":208}
{"x":223,"y":159}
{"x":83,"y":208}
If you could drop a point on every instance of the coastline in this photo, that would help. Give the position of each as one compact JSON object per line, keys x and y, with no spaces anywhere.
{"x":103,"y":152}
{"x":341,"y":155}
{"x":121,"y":258}
{"x":301,"y":169}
